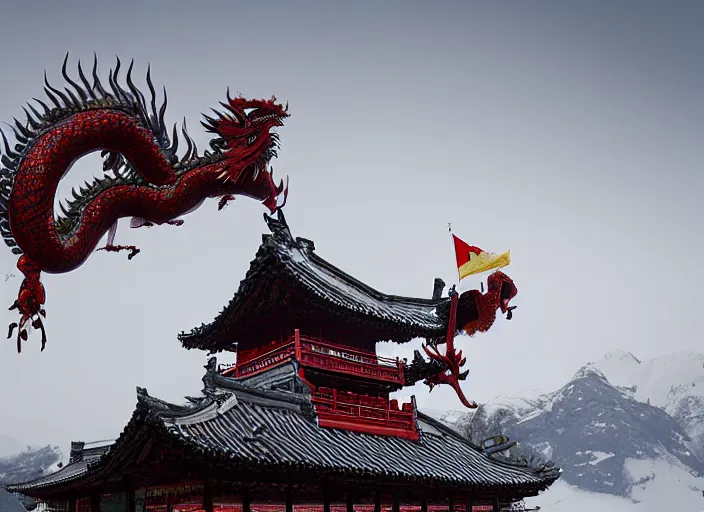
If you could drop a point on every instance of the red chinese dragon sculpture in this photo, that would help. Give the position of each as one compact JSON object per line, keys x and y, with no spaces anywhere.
{"x":148,"y":181}
{"x":471,"y":312}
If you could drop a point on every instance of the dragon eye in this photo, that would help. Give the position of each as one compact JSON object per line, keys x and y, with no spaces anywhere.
{"x":248,"y":111}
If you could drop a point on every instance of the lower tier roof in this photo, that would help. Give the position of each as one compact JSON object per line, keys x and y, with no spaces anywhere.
{"x":234,"y":424}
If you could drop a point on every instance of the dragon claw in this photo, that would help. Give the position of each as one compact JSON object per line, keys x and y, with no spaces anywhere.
{"x":224,"y":200}
{"x":134,"y":250}
{"x":29,"y":303}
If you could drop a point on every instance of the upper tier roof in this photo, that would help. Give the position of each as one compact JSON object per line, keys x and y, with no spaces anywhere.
{"x":271,"y":431}
{"x":289,"y":286}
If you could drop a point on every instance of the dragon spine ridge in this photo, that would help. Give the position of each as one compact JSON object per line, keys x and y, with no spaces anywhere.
{"x":86,"y":97}
{"x":148,"y":183}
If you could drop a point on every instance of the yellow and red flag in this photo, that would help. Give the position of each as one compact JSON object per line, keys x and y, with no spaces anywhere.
{"x":473,"y":260}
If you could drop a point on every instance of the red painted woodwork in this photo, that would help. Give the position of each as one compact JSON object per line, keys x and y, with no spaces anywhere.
{"x":338,"y":408}
{"x":313,"y":507}
{"x":183,"y":497}
{"x":317,"y":353}
{"x":360,"y":413}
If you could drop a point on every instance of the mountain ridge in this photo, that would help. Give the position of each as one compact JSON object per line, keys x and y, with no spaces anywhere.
{"x":615,"y":428}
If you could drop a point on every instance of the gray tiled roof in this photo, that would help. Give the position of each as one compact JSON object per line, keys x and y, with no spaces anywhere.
{"x":289,"y":439}
{"x":284,"y":259}
{"x":68,"y":473}
{"x":277,"y":430}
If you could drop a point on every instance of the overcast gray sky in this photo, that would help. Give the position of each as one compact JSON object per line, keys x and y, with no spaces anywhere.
{"x":568,"y":132}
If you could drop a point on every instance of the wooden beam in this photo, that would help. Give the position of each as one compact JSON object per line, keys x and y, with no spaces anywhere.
{"x":350,"y":500}
{"x":95,"y":503}
{"x":128,"y":489}
{"x":208,"y":495}
{"x":130,"y":505}
{"x":245,"y":499}
{"x":289,"y":499}
{"x":326,"y":497}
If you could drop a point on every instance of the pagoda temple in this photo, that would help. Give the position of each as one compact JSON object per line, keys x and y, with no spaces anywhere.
{"x":303,"y":421}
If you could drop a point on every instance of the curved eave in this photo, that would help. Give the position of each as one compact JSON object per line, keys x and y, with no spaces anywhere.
{"x":293,"y":262}
{"x":90,"y":472}
{"x":218,"y":431}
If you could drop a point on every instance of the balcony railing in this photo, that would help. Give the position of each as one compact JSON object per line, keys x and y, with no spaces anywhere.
{"x":325,"y":356}
{"x":367,"y":409}
{"x":317,"y":353}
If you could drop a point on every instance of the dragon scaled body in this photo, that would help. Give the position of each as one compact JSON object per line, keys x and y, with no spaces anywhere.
{"x":145,"y":179}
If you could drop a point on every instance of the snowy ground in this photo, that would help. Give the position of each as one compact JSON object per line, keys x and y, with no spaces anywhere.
{"x":665,"y":486}
{"x":562,"y":497}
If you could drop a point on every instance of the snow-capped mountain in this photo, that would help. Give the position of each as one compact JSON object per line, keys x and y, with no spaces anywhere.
{"x":673,"y":383}
{"x":590,"y":429}
{"x":624,"y":431}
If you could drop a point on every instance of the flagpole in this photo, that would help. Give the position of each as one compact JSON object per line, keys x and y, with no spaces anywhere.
{"x":449,"y":228}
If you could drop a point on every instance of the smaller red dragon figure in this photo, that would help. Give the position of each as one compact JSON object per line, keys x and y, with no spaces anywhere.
{"x":471,"y":312}
{"x":144,"y":177}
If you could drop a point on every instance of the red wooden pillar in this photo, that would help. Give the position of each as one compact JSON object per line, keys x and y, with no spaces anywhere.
{"x":95,"y":503}
{"x":130,"y":505}
{"x":208,"y":495}
{"x":326,"y":497}
{"x":297,"y":344}
{"x":245,"y":499}
{"x":401,"y":374}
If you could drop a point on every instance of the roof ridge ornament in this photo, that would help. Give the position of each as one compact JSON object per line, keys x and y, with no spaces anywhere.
{"x":278,"y":226}
{"x":211,"y":371}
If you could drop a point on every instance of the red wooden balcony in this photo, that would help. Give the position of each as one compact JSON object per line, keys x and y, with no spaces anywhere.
{"x":361,"y":413}
{"x":316,"y":353}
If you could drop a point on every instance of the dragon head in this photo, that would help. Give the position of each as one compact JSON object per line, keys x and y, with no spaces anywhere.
{"x":476,"y":311}
{"x":244,"y":131}
{"x":500,"y":283}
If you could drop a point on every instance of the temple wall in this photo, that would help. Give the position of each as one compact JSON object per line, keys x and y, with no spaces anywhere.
{"x":231,"y":497}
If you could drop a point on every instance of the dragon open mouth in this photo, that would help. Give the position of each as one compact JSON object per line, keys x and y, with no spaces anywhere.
{"x":508,"y":292}
{"x":244,"y":129}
